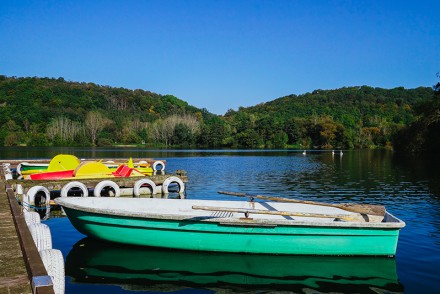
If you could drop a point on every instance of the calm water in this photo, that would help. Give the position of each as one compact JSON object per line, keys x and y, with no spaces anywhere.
{"x":409,"y":190}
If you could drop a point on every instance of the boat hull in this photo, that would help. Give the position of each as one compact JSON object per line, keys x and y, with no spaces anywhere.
{"x":55,"y":175}
{"x":29,"y":168}
{"x":193,"y":234}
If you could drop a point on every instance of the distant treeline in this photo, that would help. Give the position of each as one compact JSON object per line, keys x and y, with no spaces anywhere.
{"x":54,"y":112}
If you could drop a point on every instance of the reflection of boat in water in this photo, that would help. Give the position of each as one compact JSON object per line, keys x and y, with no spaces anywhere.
{"x":93,"y":261}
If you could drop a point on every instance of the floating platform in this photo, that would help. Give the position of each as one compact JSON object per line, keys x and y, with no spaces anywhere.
{"x":157,"y":183}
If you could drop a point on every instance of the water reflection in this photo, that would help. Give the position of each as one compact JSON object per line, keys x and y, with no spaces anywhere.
{"x":91,"y":261}
{"x":424,"y":169}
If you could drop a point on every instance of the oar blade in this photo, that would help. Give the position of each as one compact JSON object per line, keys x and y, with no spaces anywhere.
{"x":363,"y":208}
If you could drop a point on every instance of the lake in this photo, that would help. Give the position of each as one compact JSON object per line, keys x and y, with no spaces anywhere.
{"x":410,"y":189}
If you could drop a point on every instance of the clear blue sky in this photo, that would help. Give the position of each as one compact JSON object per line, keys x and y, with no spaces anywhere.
{"x":223,"y":54}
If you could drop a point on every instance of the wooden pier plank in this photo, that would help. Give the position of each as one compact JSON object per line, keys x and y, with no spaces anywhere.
{"x":13,"y":273}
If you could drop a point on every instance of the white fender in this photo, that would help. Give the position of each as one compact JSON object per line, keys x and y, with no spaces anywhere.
{"x":158,"y":162}
{"x":140,"y":183}
{"x":31,"y":217}
{"x":19,"y":189}
{"x":54,"y":263}
{"x":66,"y":188}
{"x":25,"y":201}
{"x":103,"y":184}
{"x":18,"y":168}
{"x":170,"y":180}
{"x":41,"y":235}
{"x":32,"y":192}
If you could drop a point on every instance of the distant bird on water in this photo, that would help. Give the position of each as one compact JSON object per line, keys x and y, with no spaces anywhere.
{"x":304,"y":152}
{"x":341,"y":153}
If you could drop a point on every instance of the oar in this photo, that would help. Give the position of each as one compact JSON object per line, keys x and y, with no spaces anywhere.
{"x":352,"y":207}
{"x":348,"y":217}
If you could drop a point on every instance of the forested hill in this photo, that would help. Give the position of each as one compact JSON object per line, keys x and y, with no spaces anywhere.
{"x":352,"y":117}
{"x":349,"y":105}
{"x":41,"y":99}
{"x":46,"y":111}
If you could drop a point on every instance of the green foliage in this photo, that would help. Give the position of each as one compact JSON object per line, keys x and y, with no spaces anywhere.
{"x":43,"y":111}
{"x":103,"y":142}
{"x":354,"y":117}
{"x":422,"y":136}
{"x":35,"y":102}
{"x":182,"y":135}
{"x":38,"y":140}
{"x":215,"y":133}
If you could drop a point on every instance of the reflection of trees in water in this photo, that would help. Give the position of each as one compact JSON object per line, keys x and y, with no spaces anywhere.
{"x":361,"y":176}
{"x":426,"y":170}
{"x":422,"y":169}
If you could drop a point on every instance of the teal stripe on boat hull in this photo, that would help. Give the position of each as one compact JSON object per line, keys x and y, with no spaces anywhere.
{"x":212,"y":236}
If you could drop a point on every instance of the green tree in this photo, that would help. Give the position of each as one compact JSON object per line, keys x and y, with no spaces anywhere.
{"x":182,"y":135}
{"x":280,"y":139}
{"x":422,"y":136}
{"x":249,"y":139}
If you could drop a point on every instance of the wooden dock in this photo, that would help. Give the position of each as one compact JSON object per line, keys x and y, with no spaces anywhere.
{"x":13,"y":274}
{"x":21,"y":265}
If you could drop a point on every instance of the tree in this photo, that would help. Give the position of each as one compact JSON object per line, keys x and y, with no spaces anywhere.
{"x":280,"y":139}
{"x":63,"y":130}
{"x":214,"y":133}
{"x":163,"y":130}
{"x":293,"y":130}
{"x":95,"y":122}
{"x":13,"y":134}
{"x":249,"y":139}
{"x":132,"y":131}
{"x":422,"y":136}
{"x":183,"y":135}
